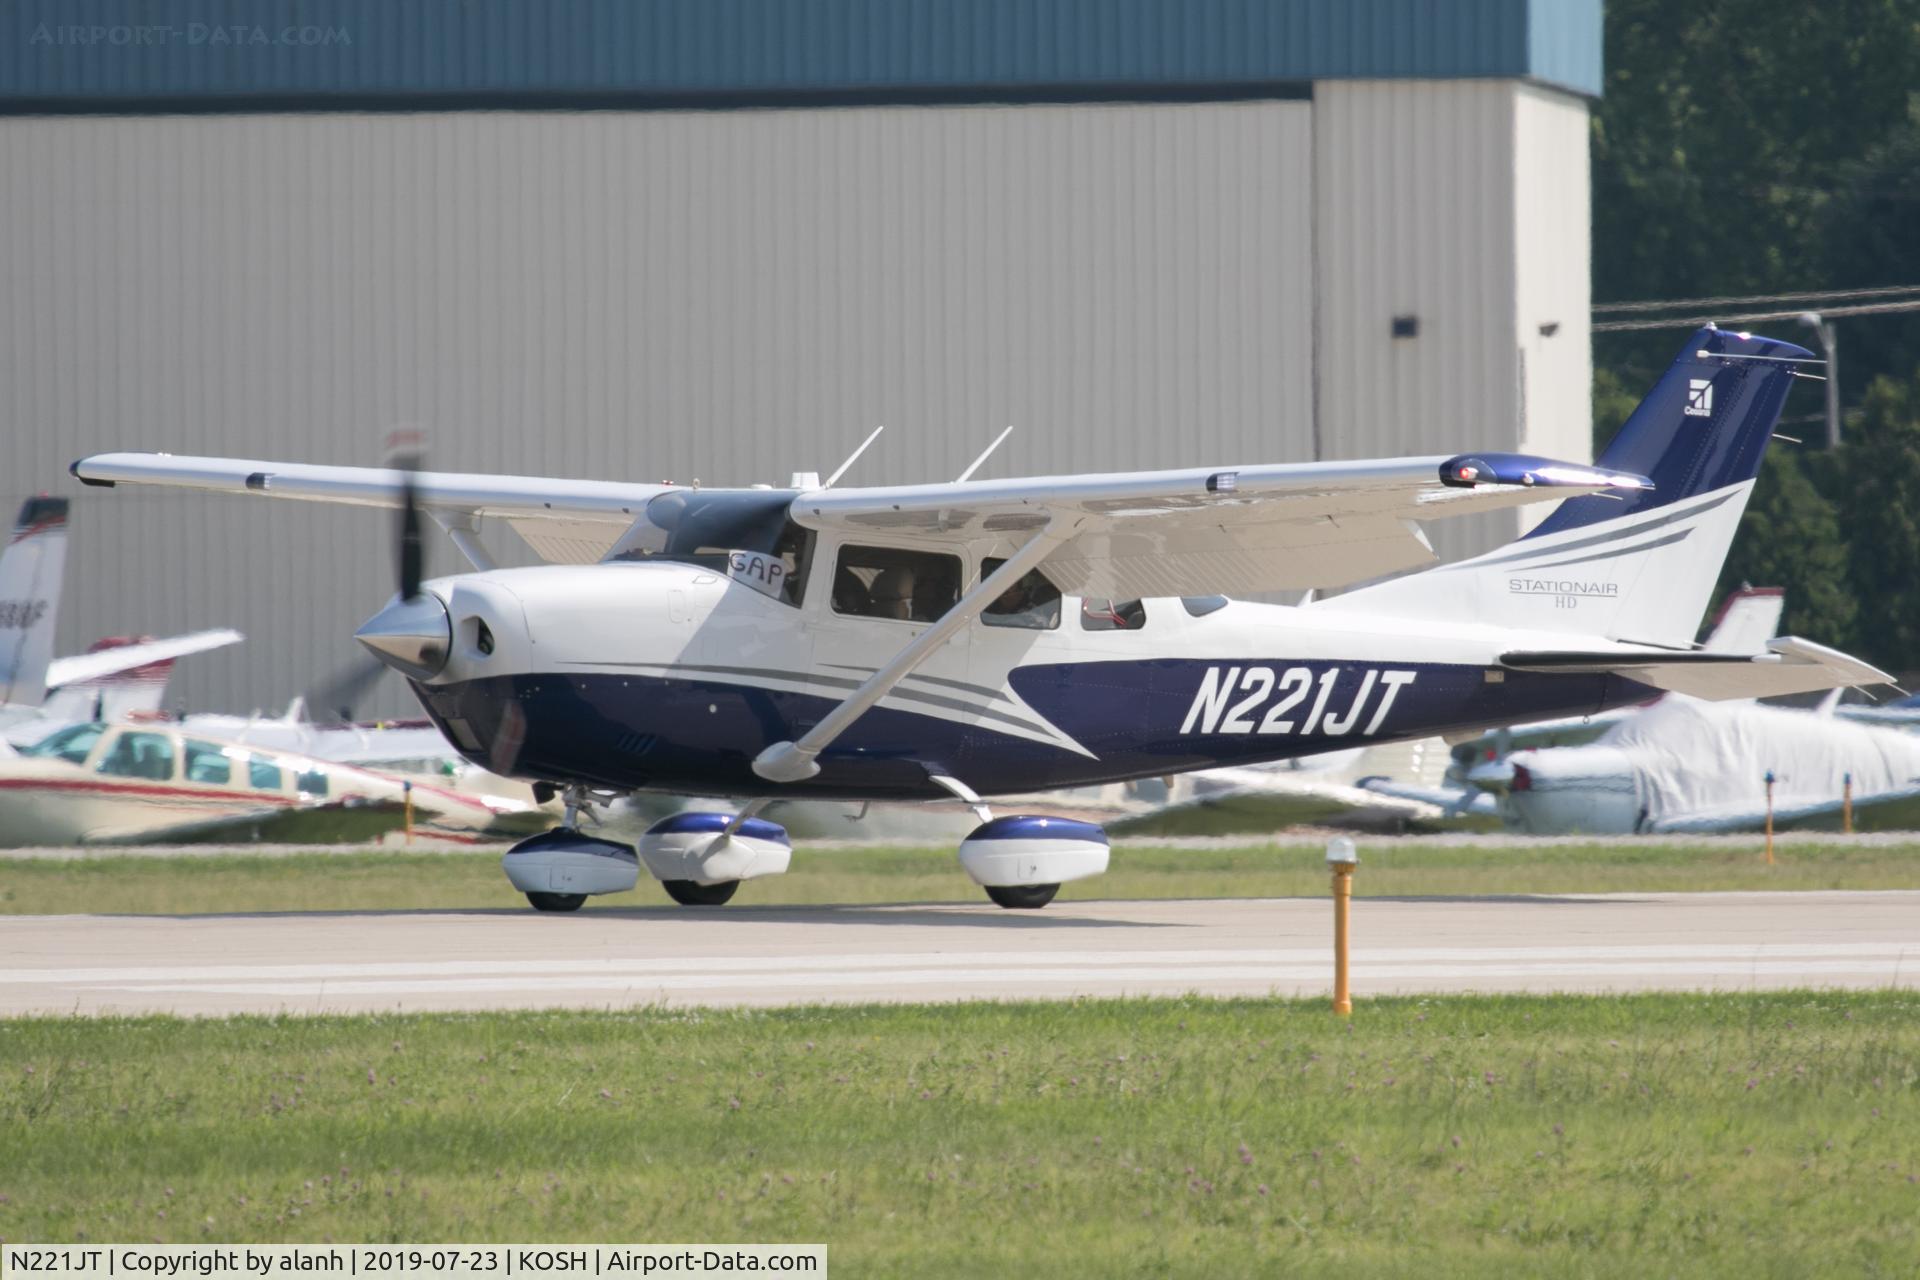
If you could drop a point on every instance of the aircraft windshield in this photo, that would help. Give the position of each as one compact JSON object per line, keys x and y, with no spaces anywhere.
{"x":72,"y":744}
{"x":743,"y":535}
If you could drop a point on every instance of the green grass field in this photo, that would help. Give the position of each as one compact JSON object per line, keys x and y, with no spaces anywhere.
{"x":381,"y":880}
{"x":1751,"y":1135}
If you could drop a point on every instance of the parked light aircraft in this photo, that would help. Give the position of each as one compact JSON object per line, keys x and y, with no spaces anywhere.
{"x":1684,"y":765}
{"x":987,"y":637}
{"x":95,"y":783}
{"x":113,"y":679}
{"x":410,"y":749}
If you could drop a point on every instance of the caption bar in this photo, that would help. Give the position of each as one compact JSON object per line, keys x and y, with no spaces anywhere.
{"x":415,"y":1261}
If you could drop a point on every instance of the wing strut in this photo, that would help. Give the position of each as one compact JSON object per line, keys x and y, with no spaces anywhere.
{"x":797,"y":761}
{"x":463,"y":528}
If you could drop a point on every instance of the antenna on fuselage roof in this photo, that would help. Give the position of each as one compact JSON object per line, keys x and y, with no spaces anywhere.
{"x":964,"y":475}
{"x":853,"y":457}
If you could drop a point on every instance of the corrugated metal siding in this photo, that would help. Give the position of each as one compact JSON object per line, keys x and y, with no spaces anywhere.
{"x":211,"y":49}
{"x":730,"y":296}
{"x":1414,"y":188}
{"x":1553,"y":283}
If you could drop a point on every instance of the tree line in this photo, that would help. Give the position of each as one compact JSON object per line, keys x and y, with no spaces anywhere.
{"x":1743,"y":150}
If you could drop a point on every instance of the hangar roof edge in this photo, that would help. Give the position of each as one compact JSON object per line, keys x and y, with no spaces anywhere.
{"x":236,"y":55}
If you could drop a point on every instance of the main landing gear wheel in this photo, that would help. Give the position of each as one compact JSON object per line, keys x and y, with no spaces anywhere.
{"x":1022,"y":897}
{"x":556,"y":901}
{"x":691,"y":893}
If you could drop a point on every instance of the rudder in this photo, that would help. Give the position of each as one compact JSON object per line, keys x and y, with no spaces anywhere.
{"x":30,"y":575}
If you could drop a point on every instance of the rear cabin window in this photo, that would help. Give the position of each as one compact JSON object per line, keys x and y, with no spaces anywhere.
{"x":311,"y":781}
{"x":1100,"y":614}
{"x":262,"y":774}
{"x":889,"y":582}
{"x":139,"y":755}
{"x":208,"y":763}
{"x":1032,"y":603}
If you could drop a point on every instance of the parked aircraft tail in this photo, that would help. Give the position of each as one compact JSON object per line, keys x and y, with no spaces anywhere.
{"x":30,"y":575}
{"x":1638,"y":569}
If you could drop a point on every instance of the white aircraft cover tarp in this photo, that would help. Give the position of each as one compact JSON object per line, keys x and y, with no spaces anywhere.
{"x":1699,"y":758}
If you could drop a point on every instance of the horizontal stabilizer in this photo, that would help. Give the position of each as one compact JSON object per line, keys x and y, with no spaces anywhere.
{"x":83,"y":667}
{"x":1789,"y":665}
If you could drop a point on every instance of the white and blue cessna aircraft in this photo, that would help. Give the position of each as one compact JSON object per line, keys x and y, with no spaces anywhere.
{"x":990,"y":637}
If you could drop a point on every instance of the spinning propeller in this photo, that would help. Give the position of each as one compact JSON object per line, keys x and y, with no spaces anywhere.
{"x":412,"y":634}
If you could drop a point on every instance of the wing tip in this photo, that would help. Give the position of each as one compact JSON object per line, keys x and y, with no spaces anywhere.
{"x":73,"y":469}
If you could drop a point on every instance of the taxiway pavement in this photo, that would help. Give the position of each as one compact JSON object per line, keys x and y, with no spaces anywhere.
{"x":609,"y":956}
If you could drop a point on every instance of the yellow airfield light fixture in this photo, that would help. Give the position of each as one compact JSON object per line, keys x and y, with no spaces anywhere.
{"x":1341,"y":860}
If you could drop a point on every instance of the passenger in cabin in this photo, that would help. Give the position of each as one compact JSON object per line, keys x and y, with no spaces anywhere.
{"x":1032,"y":603}
{"x":849,"y":593}
{"x":893,"y":593}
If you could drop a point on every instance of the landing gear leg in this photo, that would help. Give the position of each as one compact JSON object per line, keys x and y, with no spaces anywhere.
{"x":580,"y":803}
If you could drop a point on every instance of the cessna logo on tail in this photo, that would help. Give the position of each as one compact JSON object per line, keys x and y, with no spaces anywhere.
{"x":1229,"y":701}
{"x":1699,"y":398}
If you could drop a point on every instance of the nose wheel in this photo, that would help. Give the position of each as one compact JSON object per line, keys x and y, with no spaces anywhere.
{"x":557,"y":901}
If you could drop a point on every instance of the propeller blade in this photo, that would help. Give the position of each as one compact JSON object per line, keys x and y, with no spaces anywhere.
{"x":412,"y":553}
{"x":334,"y":698}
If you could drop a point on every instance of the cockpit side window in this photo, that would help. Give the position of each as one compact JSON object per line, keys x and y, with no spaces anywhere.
{"x":139,"y":755}
{"x":891,"y":582}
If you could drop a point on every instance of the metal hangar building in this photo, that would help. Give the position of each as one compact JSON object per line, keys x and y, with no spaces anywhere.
{"x":723,"y":239}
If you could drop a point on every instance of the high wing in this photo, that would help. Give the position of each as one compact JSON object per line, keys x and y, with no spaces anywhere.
{"x":93,"y":666}
{"x":564,"y":521}
{"x":1145,"y":533}
{"x":1222,"y":529}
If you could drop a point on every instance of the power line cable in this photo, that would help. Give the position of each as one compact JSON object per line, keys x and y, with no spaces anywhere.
{"x":1694,"y":322}
{"x":1827,"y":295}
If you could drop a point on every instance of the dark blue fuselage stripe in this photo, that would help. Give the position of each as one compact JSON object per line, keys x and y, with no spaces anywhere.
{"x":700,"y":737}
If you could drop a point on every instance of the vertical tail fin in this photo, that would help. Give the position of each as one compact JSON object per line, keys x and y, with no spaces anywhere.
{"x":1639,"y":568}
{"x":30,"y":573}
